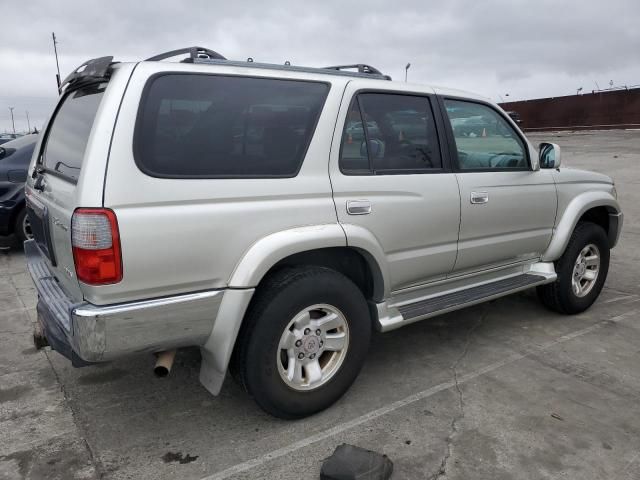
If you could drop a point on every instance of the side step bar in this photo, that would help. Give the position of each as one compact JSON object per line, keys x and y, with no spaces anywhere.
{"x":436,"y":305}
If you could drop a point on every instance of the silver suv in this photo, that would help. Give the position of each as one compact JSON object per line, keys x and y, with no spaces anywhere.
{"x":275,"y":215}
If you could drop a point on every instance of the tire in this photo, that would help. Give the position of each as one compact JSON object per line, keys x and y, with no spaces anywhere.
{"x":560,"y":296}
{"x":21,"y":233}
{"x":261,"y":362}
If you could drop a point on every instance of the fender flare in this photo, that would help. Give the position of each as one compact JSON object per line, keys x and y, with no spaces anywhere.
{"x":576,"y":208}
{"x":255,"y":263}
{"x":269,"y":250}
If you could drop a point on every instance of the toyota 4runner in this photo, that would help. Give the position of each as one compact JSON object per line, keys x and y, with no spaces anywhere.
{"x":274,"y":215}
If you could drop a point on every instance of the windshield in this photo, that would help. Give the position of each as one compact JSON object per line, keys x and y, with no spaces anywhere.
{"x":69,"y":133}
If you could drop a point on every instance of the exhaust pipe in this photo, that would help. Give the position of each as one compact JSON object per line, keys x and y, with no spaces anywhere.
{"x":164,"y":362}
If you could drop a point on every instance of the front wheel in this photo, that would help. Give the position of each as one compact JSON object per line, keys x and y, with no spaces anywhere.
{"x":582,"y":270}
{"x":303,"y":342}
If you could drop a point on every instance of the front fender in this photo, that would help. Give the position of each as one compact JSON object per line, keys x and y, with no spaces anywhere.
{"x":567,"y":223}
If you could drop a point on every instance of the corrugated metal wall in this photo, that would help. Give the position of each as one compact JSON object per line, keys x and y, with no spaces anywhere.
{"x":598,"y":110}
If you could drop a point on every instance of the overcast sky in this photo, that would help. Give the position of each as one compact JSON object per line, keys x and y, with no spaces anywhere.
{"x":523,"y":48}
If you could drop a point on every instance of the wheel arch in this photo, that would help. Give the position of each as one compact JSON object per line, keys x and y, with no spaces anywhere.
{"x":597,"y":207}
{"x":318,"y":245}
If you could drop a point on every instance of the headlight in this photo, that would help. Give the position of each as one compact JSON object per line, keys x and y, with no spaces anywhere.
{"x":614,"y":192}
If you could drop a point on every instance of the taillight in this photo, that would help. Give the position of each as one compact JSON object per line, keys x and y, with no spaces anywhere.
{"x":96,"y":246}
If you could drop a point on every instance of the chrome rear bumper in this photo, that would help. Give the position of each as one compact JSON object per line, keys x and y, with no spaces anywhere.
{"x":87,"y":333}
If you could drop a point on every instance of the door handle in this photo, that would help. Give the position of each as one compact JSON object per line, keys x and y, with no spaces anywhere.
{"x":358,"y":207}
{"x":479,"y":197}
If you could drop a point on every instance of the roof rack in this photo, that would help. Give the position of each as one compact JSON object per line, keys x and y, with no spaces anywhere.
{"x":99,"y":69}
{"x":360,"y":67}
{"x":204,"y":55}
{"x":195,"y":53}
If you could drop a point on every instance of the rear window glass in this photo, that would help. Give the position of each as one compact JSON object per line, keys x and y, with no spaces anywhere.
{"x":69,"y":132}
{"x":222,"y":126}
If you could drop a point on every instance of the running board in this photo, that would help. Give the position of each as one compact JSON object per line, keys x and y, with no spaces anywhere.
{"x":436,"y":305}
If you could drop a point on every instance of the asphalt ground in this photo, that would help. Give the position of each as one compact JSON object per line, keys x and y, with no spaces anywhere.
{"x":498,"y":391}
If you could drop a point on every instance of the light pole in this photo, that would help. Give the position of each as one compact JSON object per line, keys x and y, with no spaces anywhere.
{"x":406,"y":71}
{"x":28,"y":122}
{"x":12,"y":122}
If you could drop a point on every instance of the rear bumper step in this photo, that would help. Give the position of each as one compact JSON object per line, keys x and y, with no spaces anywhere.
{"x":87,"y":333}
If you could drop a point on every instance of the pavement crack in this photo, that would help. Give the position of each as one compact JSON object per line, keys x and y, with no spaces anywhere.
{"x":442,"y":470}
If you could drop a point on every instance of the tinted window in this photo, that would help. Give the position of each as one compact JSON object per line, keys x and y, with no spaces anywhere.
{"x":69,"y":133}
{"x":353,"y":154}
{"x":217,"y":126}
{"x":484,"y":139}
{"x":397,"y":132}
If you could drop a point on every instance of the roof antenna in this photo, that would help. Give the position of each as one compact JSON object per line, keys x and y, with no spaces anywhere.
{"x":287,"y":63}
{"x":249,"y":60}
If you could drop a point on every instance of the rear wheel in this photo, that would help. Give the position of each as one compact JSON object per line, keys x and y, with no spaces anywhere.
{"x":582,"y":270}
{"x":22,"y":227}
{"x":303,"y":342}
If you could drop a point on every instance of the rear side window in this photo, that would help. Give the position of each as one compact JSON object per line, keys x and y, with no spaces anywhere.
{"x":69,"y":132}
{"x":390,"y":133}
{"x":210,"y":126}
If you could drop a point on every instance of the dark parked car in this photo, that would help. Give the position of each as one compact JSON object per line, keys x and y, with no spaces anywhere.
{"x":14,"y":161}
{"x":7,"y":137}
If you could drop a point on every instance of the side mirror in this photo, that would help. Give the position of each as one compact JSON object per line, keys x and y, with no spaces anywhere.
{"x":549,"y":155}
{"x":2,"y":152}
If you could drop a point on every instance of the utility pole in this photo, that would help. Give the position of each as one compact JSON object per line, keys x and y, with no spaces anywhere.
{"x":55,"y":50}
{"x":406,"y":71}
{"x":28,"y":122}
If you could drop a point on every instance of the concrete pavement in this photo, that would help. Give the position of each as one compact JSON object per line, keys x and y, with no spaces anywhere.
{"x":506,"y":390}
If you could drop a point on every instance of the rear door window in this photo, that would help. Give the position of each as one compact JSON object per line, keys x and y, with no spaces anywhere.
{"x":68,"y":135}
{"x":390,"y":134}
{"x":212,"y":126}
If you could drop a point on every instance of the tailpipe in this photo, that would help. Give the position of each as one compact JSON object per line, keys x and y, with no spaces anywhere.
{"x":164,"y":362}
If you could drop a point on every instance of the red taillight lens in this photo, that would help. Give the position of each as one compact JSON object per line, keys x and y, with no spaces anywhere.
{"x":96,"y":246}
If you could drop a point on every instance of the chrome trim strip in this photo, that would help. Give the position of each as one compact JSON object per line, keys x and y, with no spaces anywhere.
{"x":90,"y":310}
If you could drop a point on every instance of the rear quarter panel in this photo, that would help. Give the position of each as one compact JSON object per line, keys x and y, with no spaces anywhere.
{"x":184,"y":235}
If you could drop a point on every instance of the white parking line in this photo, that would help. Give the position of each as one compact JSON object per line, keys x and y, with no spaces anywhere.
{"x":617,"y":299}
{"x":281,"y":452}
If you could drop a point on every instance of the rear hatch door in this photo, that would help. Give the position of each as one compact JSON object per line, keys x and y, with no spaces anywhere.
{"x":68,"y":167}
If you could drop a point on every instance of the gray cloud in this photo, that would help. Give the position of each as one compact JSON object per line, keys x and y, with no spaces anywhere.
{"x":494,"y":47}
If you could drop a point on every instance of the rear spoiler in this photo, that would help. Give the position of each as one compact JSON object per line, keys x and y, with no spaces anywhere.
{"x":90,"y":71}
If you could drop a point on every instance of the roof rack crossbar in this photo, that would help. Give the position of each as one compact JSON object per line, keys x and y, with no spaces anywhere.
{"x":194,"y":54}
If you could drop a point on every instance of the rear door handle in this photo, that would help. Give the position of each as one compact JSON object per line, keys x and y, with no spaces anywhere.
{"x":358,"y":207}
{"x":479,"y":197}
